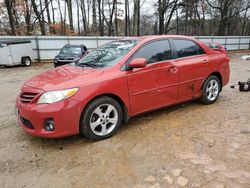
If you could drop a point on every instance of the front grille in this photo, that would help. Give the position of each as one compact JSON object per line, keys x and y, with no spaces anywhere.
{"x":28,"y":97}
{"x":66,"y":59}
{"x":26,"y":123}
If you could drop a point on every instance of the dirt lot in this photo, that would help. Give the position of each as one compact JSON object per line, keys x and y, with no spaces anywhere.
{"x":190,"y":145}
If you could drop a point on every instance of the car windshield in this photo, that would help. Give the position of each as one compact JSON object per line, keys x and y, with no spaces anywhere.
{"x":108,"y":55}
{"x":71,"y":50}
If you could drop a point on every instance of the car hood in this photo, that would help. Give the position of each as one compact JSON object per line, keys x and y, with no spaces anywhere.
{"x":64,"y":77}
{"x":68,"y":56}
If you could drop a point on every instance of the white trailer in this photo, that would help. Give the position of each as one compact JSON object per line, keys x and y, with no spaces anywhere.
{"x":16,"y":52}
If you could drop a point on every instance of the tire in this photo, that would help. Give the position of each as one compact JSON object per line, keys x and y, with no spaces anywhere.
{"x":26,"y":61}
{"x":210,"y":90}
{"x":101,"y":119}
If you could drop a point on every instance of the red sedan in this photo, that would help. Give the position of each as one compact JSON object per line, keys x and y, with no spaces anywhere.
{"x":119,"y":80}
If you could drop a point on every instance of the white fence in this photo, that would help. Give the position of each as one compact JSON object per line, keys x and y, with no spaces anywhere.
{"x":47,"y":47}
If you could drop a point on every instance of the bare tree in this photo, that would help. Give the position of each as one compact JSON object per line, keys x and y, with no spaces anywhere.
{"x":38,"y":17}
{"x":136,"y":20}
{"x":244,"y":21}
{"x":78,"y":17}
{"x":112,"y":17}
{"x":69,"y":5}
{"x":53,"y":15}
{"x":227,"y":10}
{"x":61,"y":17}
{"x":126,"y":17}
{"x":84,"y":17}
{"x":101,"y":22}
{"x":27,"y":17}
{"x":171,"y":6}
{"x":94,"y":22}
{"x":162,"y":10}
{"x":48,"y":15}
{"x":8,"y":4}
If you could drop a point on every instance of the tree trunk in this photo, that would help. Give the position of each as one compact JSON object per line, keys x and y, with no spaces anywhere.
{"x":136,"y":24}
{"x":16,"y":20}
{"x":161,"y":11}
{"x":41,"y":23}
{"x":64,"y":17}
{"x":170,"y":17}
{"x":245,"y":18}
{"x":222,"y":26}
{"x":177,"y":21}
{"x":83,"y":9}
{"x":126,"y":18}
{"x":8,"y":4}
{"x":78,"y":17}
{"x":53,"y":15}
{"x":110,"y":25}
{"x":61,"y":17}
{"x":94,"y":23}
{"x":41,"y":12}
{"x":101,"y":28}
{"x":69,"y":5}
{"x":116,"y":20}
{"x":186,"y":22}
{"x":88,"y":13}
{"x":129,"y":25}
{"x":27,"y":17}
{"x":48,"y":15}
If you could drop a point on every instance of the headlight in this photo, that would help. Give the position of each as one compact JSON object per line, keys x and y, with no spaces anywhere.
{"x":55,"y":60}
{"x":54,"y":96}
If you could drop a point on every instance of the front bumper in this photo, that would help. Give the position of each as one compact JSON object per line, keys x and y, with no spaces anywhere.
{"x":66,"y":115}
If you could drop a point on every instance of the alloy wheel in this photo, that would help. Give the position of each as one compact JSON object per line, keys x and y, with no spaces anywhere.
{"x":212,"y":90}
{"x":103,"y":119}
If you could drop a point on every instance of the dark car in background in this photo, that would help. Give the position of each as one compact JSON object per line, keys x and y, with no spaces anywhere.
{"x":70,"y":53}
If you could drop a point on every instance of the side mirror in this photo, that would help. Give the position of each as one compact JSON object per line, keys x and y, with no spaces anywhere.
{"x":217,"y":49}
{"x":138,"y":63}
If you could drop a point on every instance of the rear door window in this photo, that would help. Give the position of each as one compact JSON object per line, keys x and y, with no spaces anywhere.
{"x":185,"y":48}
{"x":155,"y":51}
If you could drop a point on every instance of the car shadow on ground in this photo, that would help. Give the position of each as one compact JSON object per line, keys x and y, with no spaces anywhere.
{"x":61,"y":143}
{"x":10,"y":67}
{"x":34,"y":64}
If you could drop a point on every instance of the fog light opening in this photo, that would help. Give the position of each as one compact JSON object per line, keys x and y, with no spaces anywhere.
{"x":49,"y":125}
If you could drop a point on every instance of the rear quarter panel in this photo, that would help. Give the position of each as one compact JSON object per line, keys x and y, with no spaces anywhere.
{"x":219,"y":62}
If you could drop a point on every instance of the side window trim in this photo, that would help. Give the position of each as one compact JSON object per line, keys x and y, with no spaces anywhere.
{"x":125,"y":65}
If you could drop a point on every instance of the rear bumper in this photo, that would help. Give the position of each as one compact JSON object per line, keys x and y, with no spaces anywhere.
{"x":226,"y":75}
{"x":66,"y":115}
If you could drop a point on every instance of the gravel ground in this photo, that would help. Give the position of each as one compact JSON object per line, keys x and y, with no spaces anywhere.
{"x":188,"y":145}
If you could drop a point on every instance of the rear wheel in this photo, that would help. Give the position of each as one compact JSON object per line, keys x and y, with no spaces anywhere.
{"x":26,"y":61}
{"x":101,"y":118}
{"x":210,"y":90}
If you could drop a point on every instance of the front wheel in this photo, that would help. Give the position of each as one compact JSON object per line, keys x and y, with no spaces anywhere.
{"x":210,"y":90}
{"x":101,"y":118}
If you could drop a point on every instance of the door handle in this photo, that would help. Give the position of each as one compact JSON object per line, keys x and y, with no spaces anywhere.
{"x":205,"y":61}
{"x":172,"y":69}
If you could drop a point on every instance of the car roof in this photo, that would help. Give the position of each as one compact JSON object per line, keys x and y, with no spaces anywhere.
{"x":151,"y":37}
{"x":73,"y":45}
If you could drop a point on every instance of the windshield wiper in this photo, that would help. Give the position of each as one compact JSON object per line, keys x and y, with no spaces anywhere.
{"x":87,"y":64}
